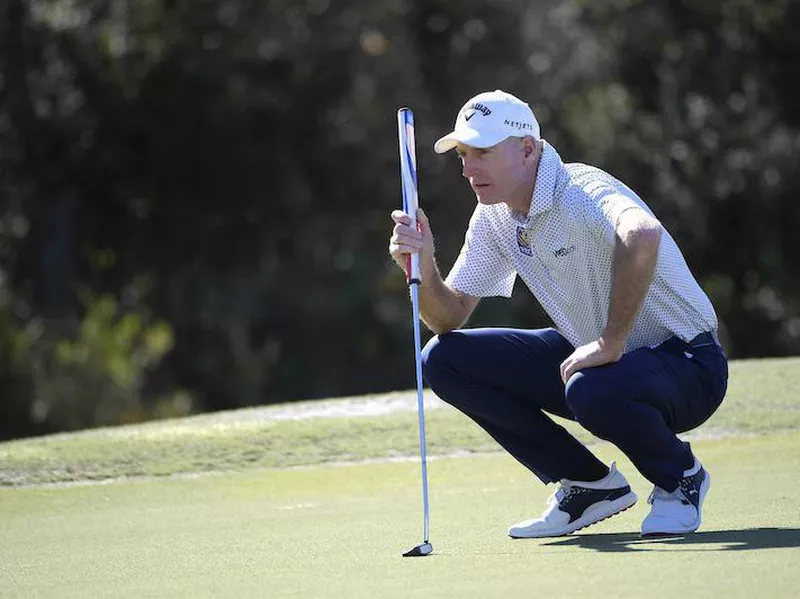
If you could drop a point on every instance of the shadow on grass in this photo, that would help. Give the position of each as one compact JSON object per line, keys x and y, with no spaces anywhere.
{"x":714,"y":540}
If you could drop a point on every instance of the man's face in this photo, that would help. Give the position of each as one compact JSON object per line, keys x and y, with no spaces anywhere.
{"x":495,"y":173}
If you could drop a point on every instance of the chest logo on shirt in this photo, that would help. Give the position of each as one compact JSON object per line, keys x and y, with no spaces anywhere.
{"x":565,"y":251}
{"x":523,"y":242}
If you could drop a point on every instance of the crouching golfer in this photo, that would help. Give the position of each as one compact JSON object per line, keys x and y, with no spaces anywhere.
{"x":634,"y":356}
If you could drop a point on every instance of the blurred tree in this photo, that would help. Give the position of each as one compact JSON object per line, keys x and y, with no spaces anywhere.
{"x":229,"y":167}
{"x":704,"y":116}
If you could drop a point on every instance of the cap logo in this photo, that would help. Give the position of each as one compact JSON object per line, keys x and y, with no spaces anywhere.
{"x":476,"y":107}
{"x":518,"y":124}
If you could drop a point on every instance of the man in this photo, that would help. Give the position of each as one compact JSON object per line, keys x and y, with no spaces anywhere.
{"x":633,"y":357}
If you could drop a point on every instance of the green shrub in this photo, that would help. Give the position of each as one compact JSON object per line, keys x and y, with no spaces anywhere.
{"x":98,"y":378}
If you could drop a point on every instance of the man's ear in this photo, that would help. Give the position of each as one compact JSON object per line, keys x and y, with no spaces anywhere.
{"x":529,"y":145}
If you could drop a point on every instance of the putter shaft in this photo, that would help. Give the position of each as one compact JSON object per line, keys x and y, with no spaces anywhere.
{"x":421,"y":410}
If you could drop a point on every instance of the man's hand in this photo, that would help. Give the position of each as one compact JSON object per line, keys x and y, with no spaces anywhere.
{"x":441,"y":307}
{"x":406,"y":240}
{"x":592,"y":354}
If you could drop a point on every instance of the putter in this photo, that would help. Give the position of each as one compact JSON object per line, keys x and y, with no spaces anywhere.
{"x":408,"y":183}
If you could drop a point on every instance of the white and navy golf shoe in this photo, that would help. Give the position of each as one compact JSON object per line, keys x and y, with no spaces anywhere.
{"x":577,"y":504}
{"x":680,"y":511}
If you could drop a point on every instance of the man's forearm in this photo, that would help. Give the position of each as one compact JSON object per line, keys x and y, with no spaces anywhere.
{"x":441,"y":308}
{"x":635,"y":257}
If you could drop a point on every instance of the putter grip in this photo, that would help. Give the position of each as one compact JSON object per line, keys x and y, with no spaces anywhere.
{"x":408,"y":180}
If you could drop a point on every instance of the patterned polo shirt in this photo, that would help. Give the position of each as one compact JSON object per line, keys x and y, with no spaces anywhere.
{"x":563,"y":251}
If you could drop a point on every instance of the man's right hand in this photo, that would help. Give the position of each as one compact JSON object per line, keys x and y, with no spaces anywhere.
{"x":406,"y":240}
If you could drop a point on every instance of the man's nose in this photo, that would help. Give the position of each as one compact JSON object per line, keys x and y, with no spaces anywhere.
{"x":467,"y":168}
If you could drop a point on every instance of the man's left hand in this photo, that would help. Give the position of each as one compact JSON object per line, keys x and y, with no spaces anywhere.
{"x":592,"y":354}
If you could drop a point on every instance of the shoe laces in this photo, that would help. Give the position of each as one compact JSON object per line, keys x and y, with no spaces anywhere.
{"x":562,"y":494}
{"x":659,"y":494}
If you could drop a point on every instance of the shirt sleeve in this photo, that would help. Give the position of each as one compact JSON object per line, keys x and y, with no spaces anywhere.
{"x":481,"y":269}
{"x":604,"y":203}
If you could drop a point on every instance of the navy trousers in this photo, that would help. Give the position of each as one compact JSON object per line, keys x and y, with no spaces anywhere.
{"x":506,"y":380}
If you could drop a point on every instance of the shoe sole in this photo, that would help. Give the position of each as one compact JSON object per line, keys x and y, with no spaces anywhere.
{"x":704,"y":488}
{"x":612,"y":509}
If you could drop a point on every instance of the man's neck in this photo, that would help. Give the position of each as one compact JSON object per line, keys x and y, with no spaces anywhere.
{"x":521,"y":200}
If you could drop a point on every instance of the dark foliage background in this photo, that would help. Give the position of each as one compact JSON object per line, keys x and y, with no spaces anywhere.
{"x":194,"y":196}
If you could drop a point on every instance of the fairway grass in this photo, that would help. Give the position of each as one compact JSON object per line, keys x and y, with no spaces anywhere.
{"x":319,"y":499}
{"x":762,"y":398}
{"x":338,"y":531}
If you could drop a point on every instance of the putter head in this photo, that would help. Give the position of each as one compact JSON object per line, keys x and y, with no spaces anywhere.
{"x":420,"y":550}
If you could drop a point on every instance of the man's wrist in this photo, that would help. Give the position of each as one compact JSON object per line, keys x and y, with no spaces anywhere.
{"x":614,"y":344}
{"x":429,"y":271}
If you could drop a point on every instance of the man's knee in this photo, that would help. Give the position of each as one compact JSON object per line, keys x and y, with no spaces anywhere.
{"x":590,"y":400}
{"x":437,"y":358}
{"x":430,"y":355}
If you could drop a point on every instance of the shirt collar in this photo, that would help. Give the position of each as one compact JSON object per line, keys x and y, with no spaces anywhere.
{"x":548,"y":175}
{"x":544,"y":191}
{"x":550,"y":166}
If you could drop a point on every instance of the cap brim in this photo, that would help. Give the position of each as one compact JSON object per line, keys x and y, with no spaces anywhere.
{"x":470,"y":137}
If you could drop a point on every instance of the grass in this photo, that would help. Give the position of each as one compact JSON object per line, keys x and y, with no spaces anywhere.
{"x":339,"y":531}
{"x":762,"y":397}
{"x":252,"y":526}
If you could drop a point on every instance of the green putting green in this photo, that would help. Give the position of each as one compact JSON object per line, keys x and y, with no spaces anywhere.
{"x":339,"y":531}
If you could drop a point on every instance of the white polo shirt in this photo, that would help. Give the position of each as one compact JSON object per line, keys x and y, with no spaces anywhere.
{"x":563,"y":250}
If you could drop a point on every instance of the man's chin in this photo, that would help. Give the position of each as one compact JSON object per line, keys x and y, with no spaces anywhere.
{"x":487,"y":199}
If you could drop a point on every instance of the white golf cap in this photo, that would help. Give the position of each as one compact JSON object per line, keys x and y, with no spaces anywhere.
{"x":489,"y":118}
